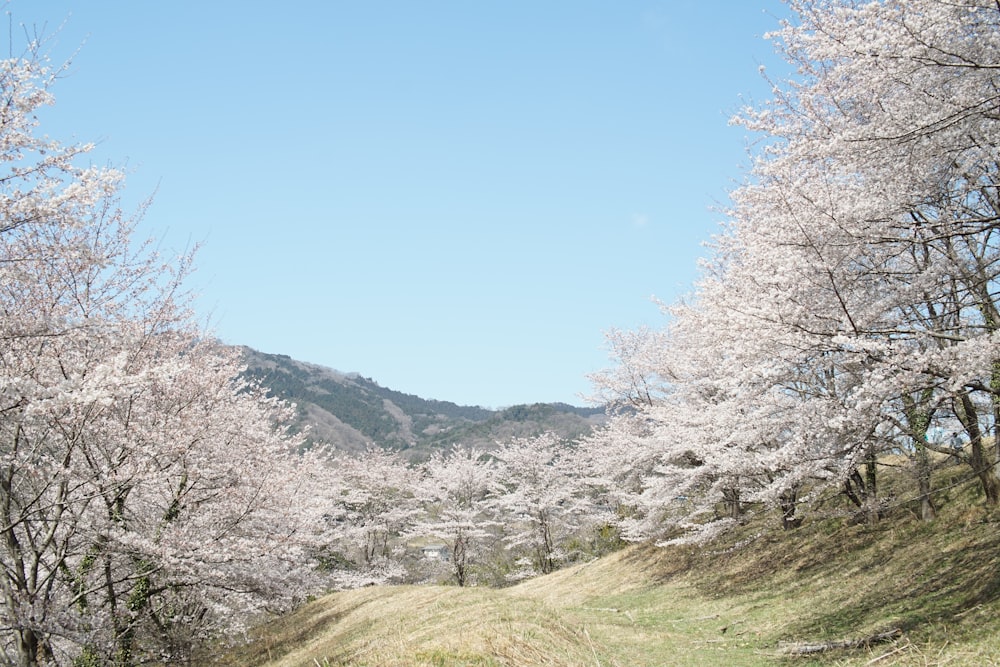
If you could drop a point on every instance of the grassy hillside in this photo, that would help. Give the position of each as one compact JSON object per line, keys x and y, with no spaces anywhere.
{"x":755,"y":599}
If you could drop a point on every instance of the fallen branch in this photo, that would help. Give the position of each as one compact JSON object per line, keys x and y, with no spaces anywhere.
{"x":890,"y":653}
{"x":820,"y":647}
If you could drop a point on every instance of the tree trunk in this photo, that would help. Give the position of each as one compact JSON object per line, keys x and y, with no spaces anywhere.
{"x":862,"y":492}
{"x":978,"y":459}
{"x":927,"y":510}
{"x":918,"y":417}
{"x":27,"y":646}
{"x":458,"y":557}
{"x":872,"y":510}
{"x":546,"y":547}
{"x":788,"y":501}
{"x":731,"y":503}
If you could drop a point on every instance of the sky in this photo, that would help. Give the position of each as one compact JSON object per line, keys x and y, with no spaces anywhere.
{"x":456,"y":199}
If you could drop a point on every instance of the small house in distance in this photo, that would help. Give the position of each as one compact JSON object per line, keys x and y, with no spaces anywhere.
{"x":439,"y":552}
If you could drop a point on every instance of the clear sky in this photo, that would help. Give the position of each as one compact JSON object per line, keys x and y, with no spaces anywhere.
{"x":453,"y":198}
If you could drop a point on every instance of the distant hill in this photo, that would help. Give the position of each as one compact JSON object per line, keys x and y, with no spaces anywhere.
{"x":353,"y":412}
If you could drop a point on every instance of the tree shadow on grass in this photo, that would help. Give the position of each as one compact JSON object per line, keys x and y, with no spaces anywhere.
{"x":918,"y":590}
{"x":273,"y":640}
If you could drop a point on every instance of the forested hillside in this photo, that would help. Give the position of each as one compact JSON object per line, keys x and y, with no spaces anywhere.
{"x":353,"y":412}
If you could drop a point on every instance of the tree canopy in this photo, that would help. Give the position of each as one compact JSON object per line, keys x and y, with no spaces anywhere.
{"x":848,"y":309}
{"x":148,"y":497}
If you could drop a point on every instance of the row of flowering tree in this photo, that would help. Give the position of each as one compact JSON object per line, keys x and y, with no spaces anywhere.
{"x":516,"y":511}
{"x":147,"y":498}
{"x":849,"y":308}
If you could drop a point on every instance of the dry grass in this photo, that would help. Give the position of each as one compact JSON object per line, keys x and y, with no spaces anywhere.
{"x":721,"y":605}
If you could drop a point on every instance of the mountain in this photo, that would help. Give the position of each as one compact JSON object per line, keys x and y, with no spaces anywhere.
{"x":353,"y":412}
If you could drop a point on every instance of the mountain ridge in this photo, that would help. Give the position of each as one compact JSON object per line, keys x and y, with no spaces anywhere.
{"x":352,"y":412}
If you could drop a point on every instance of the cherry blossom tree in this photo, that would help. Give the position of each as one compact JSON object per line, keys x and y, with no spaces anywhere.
{"x":199,"y":513}
{"x":850,"y":302}
{"x":894,"y":117}
{"x":372,"y":504}
{"x":635,"y":380}
{"x":543,"y":504}
{"x":457,"y":493}
{"x":148,"y":498}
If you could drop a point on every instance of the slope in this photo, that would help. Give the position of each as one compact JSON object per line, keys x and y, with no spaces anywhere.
{"x":755,"y":599}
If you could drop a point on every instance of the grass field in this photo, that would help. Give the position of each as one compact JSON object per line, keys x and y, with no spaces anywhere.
{"x":755,"y":599}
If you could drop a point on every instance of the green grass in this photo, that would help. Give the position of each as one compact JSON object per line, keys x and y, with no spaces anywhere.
{"x":722,"y":604}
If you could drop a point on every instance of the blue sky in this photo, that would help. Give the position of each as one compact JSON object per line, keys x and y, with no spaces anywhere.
{"x":453,"y":198}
